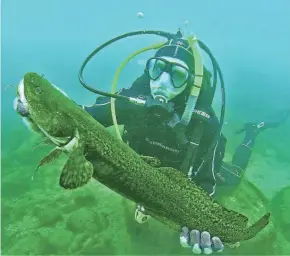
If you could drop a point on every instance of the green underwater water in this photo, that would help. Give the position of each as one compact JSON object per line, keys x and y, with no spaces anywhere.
{"x":40,"y":218}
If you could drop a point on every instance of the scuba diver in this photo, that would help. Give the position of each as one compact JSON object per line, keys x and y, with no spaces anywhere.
{"x":167,"y":114}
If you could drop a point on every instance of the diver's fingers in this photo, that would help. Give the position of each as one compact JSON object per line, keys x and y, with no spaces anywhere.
{"x":195,"y":241}
{"x":205,"y":242}
{"x":184,"y":237}
{"x":217,"y":244}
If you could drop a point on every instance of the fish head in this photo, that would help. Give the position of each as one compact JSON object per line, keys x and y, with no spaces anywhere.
{"x":42,"y":106}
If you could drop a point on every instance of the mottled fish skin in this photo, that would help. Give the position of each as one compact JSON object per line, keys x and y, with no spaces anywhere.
{"x":166,"y":193}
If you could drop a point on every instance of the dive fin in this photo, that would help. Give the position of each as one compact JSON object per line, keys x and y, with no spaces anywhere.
{"x":53,"y":155}
{"x":77,"y":171}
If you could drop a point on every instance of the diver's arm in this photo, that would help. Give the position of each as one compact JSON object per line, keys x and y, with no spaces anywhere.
{"x":210,"y":163}
{"x":101,"y":110}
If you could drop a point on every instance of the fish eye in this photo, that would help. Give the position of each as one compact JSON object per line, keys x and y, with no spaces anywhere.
{"x":38,"y":90}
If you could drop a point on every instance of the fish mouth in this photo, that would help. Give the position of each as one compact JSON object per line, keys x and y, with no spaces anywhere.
{"x":20,"y":103}
{"x":21,"y":106}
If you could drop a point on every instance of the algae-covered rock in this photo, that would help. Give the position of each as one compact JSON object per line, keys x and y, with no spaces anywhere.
{"x":85,"y":199}
{"x":78,"y":243}
{"x":99,"y":245}
{"x":249,"y":200}
{"x":95,"y":244}
{"x":47,"y":216}
{"x":29,"y":244}
{"x":61,"y":239}
{"x":280,"y":208}
{"x":58,"y":238}
{"x":86,"y":220}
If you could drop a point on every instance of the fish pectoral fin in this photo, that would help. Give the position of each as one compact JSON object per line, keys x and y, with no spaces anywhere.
{"x":52,"y":155}
{"x":153,"y":161}
{"x":73,"y":143}
{"x":77,"y":170}
{"x":44,"y":142}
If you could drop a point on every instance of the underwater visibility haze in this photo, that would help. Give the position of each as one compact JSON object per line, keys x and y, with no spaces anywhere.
{"x":61,"y":210}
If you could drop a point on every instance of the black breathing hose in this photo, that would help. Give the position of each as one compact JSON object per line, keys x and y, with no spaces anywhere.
{"x":216,"y":70}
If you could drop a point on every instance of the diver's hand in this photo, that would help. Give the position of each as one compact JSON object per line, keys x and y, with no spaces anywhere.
{"x":200,"y":242}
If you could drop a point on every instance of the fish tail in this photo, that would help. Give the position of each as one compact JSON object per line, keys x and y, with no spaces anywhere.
{"x":253,"y":230}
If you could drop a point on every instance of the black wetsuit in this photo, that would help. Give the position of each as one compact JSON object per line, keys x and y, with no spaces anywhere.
{"x":148,"y":133}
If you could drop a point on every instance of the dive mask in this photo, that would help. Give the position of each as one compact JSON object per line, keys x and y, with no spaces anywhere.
{"x":179,"y":73}
{"x":168,"y":77}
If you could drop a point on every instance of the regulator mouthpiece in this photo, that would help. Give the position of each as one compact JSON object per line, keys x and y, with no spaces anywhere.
{"x":161,"y":99}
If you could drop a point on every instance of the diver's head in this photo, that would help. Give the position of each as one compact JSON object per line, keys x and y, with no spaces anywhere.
{"x":170,"y":70}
